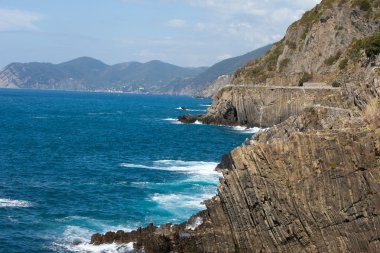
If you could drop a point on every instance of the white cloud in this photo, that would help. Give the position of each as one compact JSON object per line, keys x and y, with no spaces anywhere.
{"x":231,"y":7}
{"x":250,"y":23}
{"x":286,"y":14}
{"x":177,"y":23}
{"x":11,"y":20}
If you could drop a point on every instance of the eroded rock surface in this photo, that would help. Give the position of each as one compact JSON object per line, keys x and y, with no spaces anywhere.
{"x":310,"y":184}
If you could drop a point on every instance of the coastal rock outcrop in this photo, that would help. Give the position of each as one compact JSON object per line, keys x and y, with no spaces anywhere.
{"x":261,"y":106}
{"x":311,"y":182}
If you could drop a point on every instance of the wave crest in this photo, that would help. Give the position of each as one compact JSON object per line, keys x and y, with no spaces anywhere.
{"x":14,"y":203}
{"x":190,"y":167}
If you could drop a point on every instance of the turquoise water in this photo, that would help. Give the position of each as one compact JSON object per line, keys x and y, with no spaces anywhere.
{"x":72,"y":164}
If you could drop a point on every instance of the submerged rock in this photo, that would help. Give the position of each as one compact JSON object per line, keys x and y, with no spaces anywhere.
{"x":188,"y":119}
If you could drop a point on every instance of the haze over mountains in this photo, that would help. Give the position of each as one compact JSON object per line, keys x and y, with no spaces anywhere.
{"x":89,"y":74}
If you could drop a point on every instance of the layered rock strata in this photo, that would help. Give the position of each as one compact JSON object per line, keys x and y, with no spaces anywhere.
{"x":310,"y":184}
{"x":262,"y":106}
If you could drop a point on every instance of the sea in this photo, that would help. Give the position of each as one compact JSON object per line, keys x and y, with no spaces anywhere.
{"x":77,"y":163}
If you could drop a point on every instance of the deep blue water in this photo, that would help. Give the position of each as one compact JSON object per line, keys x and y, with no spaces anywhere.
{"x":72,"y":164}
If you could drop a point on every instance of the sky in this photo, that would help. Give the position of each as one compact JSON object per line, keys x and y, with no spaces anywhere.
{"x":188,"y":33}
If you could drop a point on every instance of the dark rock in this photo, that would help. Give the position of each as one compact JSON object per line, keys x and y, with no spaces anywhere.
{"x":188,"y":119}
{"x":97,"y":239}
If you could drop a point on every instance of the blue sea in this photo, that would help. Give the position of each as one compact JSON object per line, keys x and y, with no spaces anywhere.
{"x":75,"y":163}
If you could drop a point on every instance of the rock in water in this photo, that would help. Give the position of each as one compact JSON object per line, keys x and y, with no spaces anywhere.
{"x":188,"y":119}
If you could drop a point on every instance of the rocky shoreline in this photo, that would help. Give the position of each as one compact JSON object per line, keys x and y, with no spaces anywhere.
{"x":311,"y":182}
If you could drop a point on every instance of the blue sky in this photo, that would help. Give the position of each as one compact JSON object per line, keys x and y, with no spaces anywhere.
{"x":182,"y":32}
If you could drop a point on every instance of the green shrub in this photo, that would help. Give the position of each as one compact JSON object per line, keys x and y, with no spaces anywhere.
{"x":272,"y":57}
{"x":284,"y":63}
{"x":343,"y":64}
{"x":364,"y":5}
{"x":370,"y":44}
{"x":256,"y":71}
{"x":336,"y":84}
{"x":305,"y":78}
{"x":332,"y":59}
{"x":333,"y":165}
{"x":292,"y":45}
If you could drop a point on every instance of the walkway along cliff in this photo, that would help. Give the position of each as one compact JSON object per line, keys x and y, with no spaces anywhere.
{"x":311,"y":182}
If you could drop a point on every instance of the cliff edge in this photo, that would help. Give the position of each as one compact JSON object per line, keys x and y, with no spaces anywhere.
{"x":311,"y":182}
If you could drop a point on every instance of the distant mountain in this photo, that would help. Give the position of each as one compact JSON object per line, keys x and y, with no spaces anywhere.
{"x":225,"y":67}
{"x":90,"y":74}
{"x":86,"y":73}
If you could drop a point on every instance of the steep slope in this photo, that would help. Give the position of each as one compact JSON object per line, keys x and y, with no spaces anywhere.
{"x":334,"y":45}
{"x":225,"y":67}
{"x":321,"y":47}
{"x":310,"y":183}
{"x":212,"y":89}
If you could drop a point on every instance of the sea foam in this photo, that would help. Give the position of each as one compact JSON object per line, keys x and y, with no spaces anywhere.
{"x":247,"y":130}
{"x":173,"y":121}
{"x":14,"y":203}
{"x":76,"y":239}
{"x":178,"y":204}
{"x":189,"y":167}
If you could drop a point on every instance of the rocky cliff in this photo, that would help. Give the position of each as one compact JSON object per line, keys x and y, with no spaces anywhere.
{"x":212,"y":89}
{"x":334,"y":45}
{"x":311,"y":182}
{"x":263,"y":106}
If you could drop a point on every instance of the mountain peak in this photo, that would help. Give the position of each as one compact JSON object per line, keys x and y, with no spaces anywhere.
{"x":85,"y":60}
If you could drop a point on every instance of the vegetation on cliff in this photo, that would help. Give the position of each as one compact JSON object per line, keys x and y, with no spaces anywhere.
{"x":331,"y":36}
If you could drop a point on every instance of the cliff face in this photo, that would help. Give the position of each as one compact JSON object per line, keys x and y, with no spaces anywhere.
{"x":334,"y":45}
{"x":212,"y":89}
{"x":267,"y":106}
{"x":311,"y":182}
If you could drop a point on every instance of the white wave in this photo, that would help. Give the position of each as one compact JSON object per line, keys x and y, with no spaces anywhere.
{"x":191,"y":167}
{"x":14,"y":203}
{"x":197,"y":171}
{"x":176,"y":203}
{"x":196,"y":223}
{"x":205,"y":105}
{"x":173,"y":121}
{"x":247,"y":130}
{"x":195,"y":110}
{"x":104,"y":113}
{"x":136,"y":166}
{"x":77,"y":239}
{"x":197,"y":122}
{"x":40,"y":117}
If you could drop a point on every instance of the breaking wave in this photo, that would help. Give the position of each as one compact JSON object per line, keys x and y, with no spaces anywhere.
{"x":77,"y":238}
{"x":247,"y":130}
{"x":14,"y":203}
{"x":189,"y":167}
